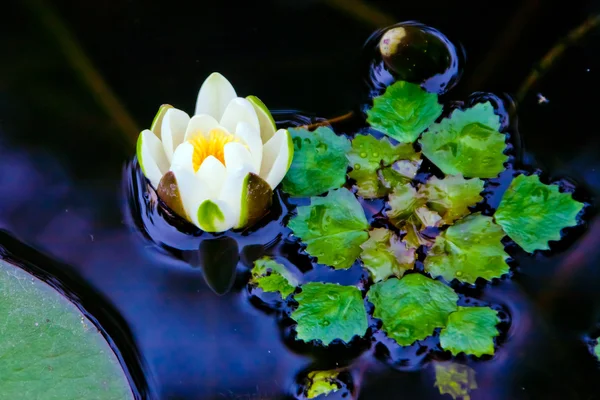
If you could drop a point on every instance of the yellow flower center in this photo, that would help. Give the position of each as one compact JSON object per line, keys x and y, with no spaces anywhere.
{"x":212,"y":144}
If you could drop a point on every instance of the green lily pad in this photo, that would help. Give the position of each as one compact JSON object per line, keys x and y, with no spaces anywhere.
{"x":468,"y":250}
{"x":404,"y":111}
{"x":533,"y":213}
{"x":327,"y":311}
{"x":49,"y":349}
{"x":333,"y":228}
{"x":319,"y":162}
{"x":470,"y":330}
{"x":271,"y":276}
{"x":467,"y":143}
{"x":456,"y":380}
{"x":385,"y":255}
{"x":411,"y":308}
{"x":322,"y":383}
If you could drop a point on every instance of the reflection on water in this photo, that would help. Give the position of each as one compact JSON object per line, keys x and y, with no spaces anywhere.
{"x":61,"y":193}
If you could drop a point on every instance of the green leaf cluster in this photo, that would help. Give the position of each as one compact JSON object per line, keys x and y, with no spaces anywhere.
{"x":385,"y":255}
{"x":378,"y":165}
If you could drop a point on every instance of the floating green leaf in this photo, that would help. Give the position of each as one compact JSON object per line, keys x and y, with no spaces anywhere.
{"x":322,"y":383}
{"x":597,"y":350}
{"x":452,"y":196}
{"x":404,"y":111}
{"x":369,"y":156}
{"x":411,"y":308}
{"x":385,"y":255}
{"x":457,"y":380}
{"x":467,"y":143}
{"x":271,"y":276}
{"x":49,"y":350}
{"x":533,"y":213}
{"x":470,"y":330}
{"x":319,"y":162}
{"x":408,"y":212}
{"x":327,"y":311}
{"x":468,"y":250}
{"x":333,"y":228}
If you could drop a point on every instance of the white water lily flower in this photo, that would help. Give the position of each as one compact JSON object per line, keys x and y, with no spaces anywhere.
{"x":218,"y":168}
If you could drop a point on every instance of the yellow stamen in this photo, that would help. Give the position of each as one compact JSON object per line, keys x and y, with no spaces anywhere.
{"x":212,"y":144}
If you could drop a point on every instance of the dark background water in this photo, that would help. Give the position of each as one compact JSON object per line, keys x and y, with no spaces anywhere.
{"x":69,"y":114}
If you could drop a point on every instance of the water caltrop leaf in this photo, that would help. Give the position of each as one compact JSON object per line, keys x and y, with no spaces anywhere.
{"x":452,"y":196}
{"x":49,"y":350}
{"x":468,"y":250}
{"x":457,"y":380}
{"x":404,"y":111}
{"x":408,"y":211}
{"x":597,"y":350}
{"x":327,"y":311}
{"x":322,"y":383}
{"x":319,"y":162}
{"x":467,"y":143}
{"x":411,"y":308}
{"x":385,"y":255}
{"x":369,"y":155}
{"x":533,"y":213}
{"x":271,"y":276}
{"x":332,"y":227}
{"x":470,"y":330}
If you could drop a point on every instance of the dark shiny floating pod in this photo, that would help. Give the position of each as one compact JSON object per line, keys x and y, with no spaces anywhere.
{"x":413,"y":52}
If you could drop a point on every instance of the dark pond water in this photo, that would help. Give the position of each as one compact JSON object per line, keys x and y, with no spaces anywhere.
{"x":65,"y":144}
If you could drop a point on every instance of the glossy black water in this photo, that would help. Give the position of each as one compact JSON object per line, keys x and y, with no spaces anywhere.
{"x":62,"y":194}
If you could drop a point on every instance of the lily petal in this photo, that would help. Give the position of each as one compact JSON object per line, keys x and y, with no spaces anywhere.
{"x":252,"y":139}
{"x":191,"y":188}
{"x":239,"y":110}
{"x":200,"y":123}
{"x":214,"y":96}
{"x":238,"y":158}
{"x":232,"y":194}
{"x":213,"y":174}
{"x":151,"y":157}
{"x":277,"y":157}
{"x":173,"y":129}
{"x":267,"y":123}
{"x":214,"y":216}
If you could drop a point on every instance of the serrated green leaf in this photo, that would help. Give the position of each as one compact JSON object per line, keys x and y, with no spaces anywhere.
{"x":49,"y":349}
{"x":399,"y":173}
{"x":470,"y":330}
{"x":322,"y":383}
{"x":457,"y":380}
{"x":332,"y":227}
{"x":452,"y":196}
{"x":327,"y":311}
{"x":385,"y":255}
{"x":368,"y":156}
{"x":408,"y":212}
{"x":271,"y":276}
{"x":467,"y":143}
{"x":411,"y":308}
{"x":468,"y":250}
{"x":404,"y":111}
{"x":533,"y":213}
{"x":319,"y":162}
